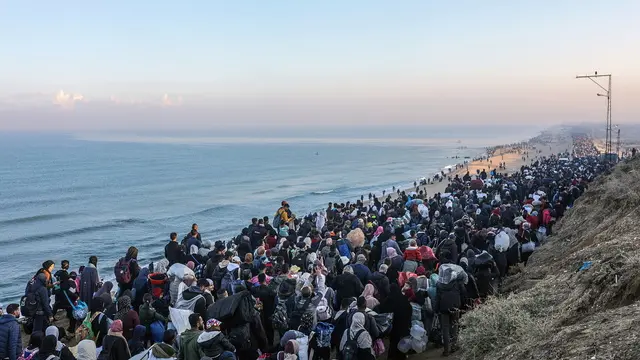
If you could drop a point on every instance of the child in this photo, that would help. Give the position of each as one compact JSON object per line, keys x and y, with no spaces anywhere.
{"x":214,"y":344}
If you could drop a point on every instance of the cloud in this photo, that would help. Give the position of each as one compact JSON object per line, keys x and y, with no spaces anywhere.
{"x":65,"y":100}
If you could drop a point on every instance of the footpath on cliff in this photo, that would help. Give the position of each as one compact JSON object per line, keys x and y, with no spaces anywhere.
{"x":578,"y":296}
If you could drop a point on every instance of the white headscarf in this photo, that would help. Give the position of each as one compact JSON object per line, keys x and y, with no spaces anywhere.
{"x":86,"y":350}
{"x":52,"y":330}
{"x":357,"y":324}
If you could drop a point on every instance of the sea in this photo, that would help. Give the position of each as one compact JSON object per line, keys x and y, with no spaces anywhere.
{"x":70,"y":196}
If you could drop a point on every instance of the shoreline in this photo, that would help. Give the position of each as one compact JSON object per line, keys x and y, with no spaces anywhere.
{"x":431,"y":189}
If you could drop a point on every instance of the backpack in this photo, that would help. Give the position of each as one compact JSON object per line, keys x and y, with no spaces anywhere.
{"x":323,"y":310}
{"x":122,"y":271}
{"x":330,"y":263}
{"x":350,"y":350}
{"x":29,"y":302}
{"x":217,"y":276}
{"x":323,"y":333}
{"x":276,"y":220}
{"x":85,"y":330}
{"x":226,"y":281}
{"x":279,"y":318}
{"x":300,"y":260}
{"x":296,"y":315}
{"x":343,"y":249}
{"x":199,"y":269}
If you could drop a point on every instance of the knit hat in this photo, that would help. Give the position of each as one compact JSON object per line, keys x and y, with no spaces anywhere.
{"x":420,"y":270}
{"x":212,"y":324}
{"x":191,"y":265}
{"x":116,"y":326}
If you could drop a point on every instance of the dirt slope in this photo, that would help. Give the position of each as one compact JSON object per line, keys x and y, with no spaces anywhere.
{"x":554,"y":311}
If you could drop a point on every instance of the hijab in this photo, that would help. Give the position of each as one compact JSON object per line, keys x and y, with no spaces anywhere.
{"x":105,"y":289}
{"x":291,"y":349}
{"x":391,"y":252}
{"x":357,"y":324}
{"x":378,"y":231}
{"x":368,"y":294}
{"x":86,"y":350}
{"x":124,"y":306}
{"x":48,"y":347}
{"x":53,"y":331}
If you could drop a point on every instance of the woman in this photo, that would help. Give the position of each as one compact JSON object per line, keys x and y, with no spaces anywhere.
{"x":137,"y":343}
{"x":105,"y":289}
{"x":89,"y":280}
{"x":48,"y":349}
{"x":368,"y":294}
{"x":114,"y":346}
{"x":35,"y":341}
{"x":62,"y":350}
{"x":100,"y":323}
{"x":149,"y":315}
{"x":140,"y":287}
{"x":398,"y":304}
{"x":134,"y":269}
{"x":87,"y":350}
{"x":358,"y":333}
{"x":128,"y":317}
{"x":291,"y":349}
{"x":396,"y":260}
{"x":248,"y":263}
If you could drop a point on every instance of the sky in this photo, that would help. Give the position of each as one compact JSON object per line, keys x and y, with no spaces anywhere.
{"x":136,"y":65}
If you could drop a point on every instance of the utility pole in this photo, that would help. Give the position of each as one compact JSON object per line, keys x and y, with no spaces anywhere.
{"x":607,"y":94}
{"x":618,"y":142}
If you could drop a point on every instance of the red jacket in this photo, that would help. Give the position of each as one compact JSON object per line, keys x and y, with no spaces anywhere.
{"x":413,"y":253}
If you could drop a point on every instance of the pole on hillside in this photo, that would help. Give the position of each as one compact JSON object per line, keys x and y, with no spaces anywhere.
{"x":607,"y":94}
{"x":618,"y":142}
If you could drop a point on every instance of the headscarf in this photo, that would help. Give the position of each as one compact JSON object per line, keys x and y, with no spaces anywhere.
{"x":124,"y":306}
{"x":212,"y":324}
{"x":107,"y":300}
{"x":378,"y":231}
{"x":369,"y":291}
{"x":116,"y":328}
{"x":139,"y":332}
{"x":48,"y":346}
{"x":291,"y":349}
{"x":86,"y":350}
{"x":106,"y":288}
{"x":53,"y":331}
{"x":391,"y":252}
{"x":357,"y":324}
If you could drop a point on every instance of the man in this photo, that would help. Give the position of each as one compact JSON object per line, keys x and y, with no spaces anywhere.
{"x":267,"y":296}
{"x":39,"y":287}
{"x":64,"y":270}
{"x":361,"y":270}
{"x":206,"y":286}
{"x":194,"y":296}
{"x":258,"y":233}
{"x":189,"y":349}
{"x":450,"y":294}
{"x":10,"y":339}
{"x":347,"y":285}
{"x":173,"y":251}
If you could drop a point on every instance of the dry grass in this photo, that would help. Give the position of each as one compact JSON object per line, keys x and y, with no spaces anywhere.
{"x":556,"y":312}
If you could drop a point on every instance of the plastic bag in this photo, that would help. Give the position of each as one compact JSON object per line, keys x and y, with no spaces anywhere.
{"x":417,"y":331}
{"x":416,"y":313}
{"x":179,"y":271}
{"x":378,"y":347}
{"x":404,"y":345}
{"x":419,"y":345}
{"x":180,"y":319}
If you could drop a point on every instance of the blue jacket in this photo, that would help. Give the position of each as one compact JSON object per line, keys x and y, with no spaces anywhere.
{"x":362,"y":272}
{"x":40,"y":289}
{"x":10,"y":339}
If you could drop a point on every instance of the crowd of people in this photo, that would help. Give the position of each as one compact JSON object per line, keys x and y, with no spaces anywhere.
{"x":355,"y":281}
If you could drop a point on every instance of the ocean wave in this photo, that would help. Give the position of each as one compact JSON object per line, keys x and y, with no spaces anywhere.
{"x":79,"y":231}
{"x":30,"y":219}
{"x":322,"y":192}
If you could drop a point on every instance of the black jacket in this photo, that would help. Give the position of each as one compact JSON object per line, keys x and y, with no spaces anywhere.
{"x":449,"y":296}
{"x":214,"y":343}
{"x":201,"y":305}
{"x":267,"y":296}
{"x":173,"y":253}
{"x":347,"y":285}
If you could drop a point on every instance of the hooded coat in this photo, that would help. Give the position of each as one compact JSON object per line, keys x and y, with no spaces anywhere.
{"x":89,"y":281}
{"x":10,"y":338}
{"x":189,"y":347}
{"x":214,"y":343}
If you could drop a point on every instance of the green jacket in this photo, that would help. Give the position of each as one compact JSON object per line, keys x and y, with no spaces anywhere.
{"x":149,"y":315}
{"x":189,"y":349}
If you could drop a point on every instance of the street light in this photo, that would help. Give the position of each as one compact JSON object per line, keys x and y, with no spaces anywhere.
{"x":607,"y":94}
